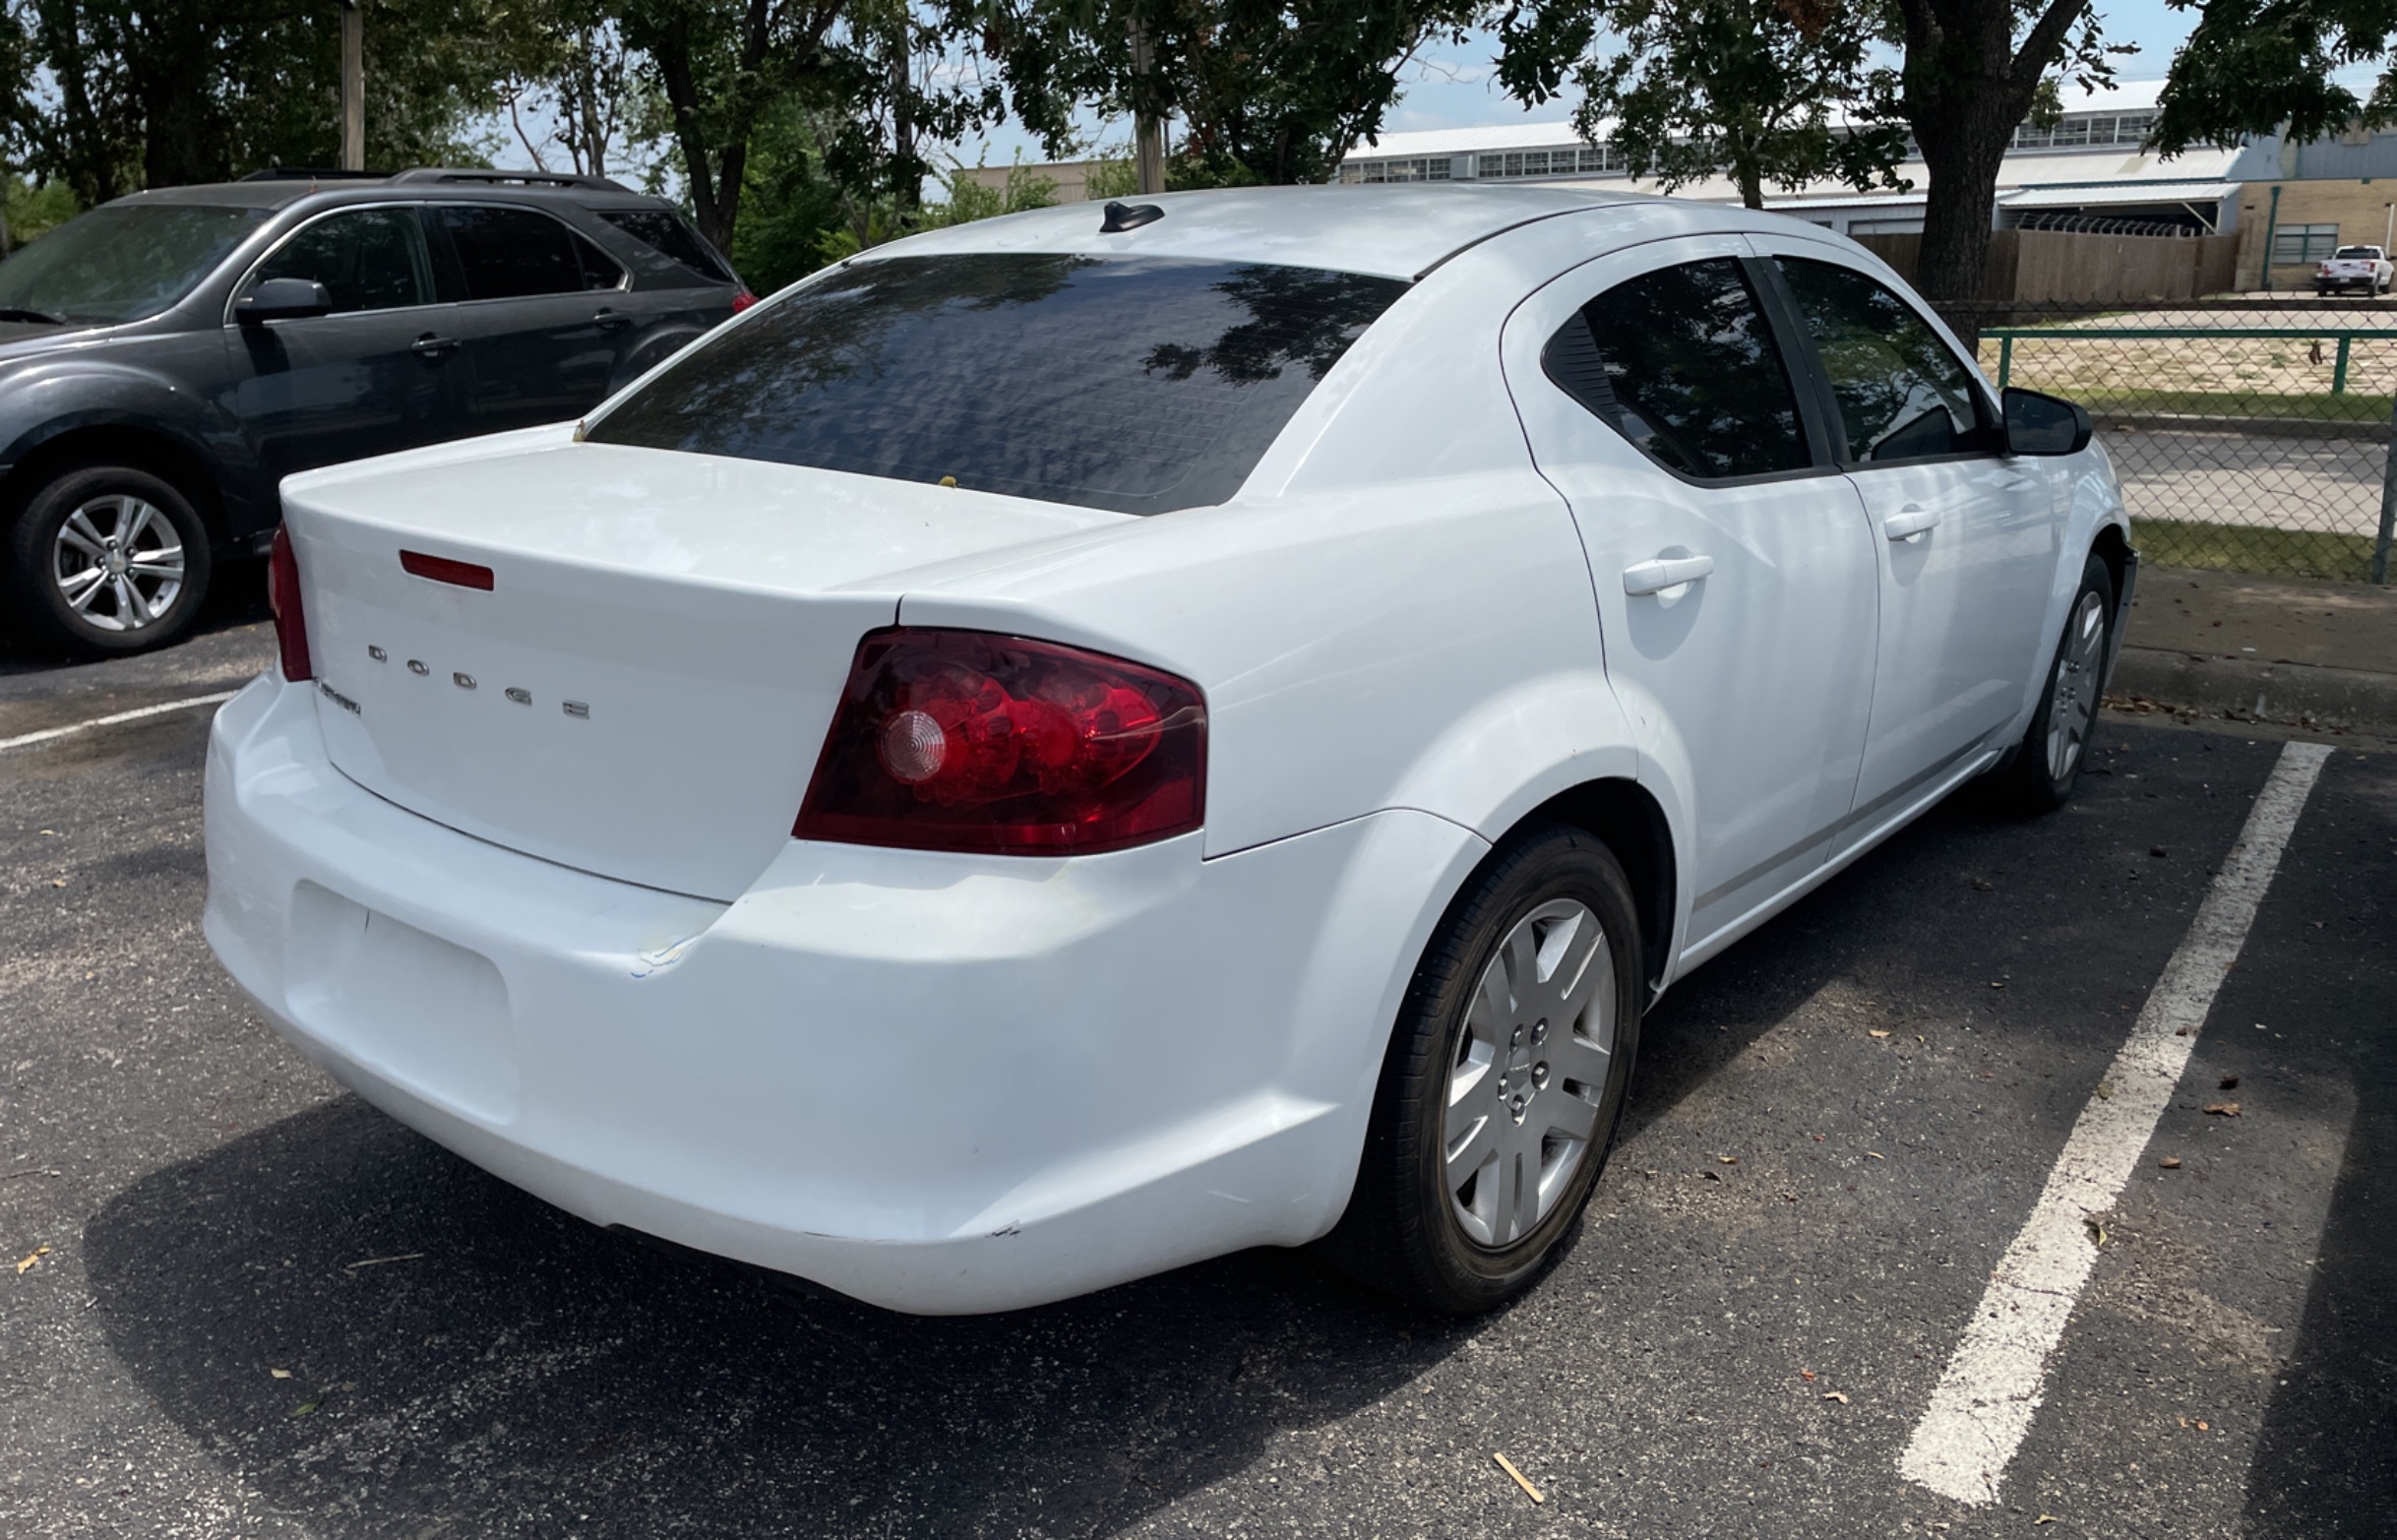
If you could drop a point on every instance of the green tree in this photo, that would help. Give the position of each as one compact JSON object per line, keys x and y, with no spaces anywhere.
{"x":862,"y":71}
{"x":153,"y":95}
{"x":1973,"y":72}
{"x":2264,"y":68}
{"x":1262,"y":91}
{"x":1779,"y":92}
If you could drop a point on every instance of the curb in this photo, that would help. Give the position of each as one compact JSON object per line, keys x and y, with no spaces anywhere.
{"x":2354,"y":698}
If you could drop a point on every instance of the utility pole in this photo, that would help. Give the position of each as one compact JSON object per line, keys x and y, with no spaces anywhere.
{"x":1147,"y":129}
{"x":353,"y":86}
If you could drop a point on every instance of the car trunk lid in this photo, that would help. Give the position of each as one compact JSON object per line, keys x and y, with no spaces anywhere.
{"x":624,"y":660}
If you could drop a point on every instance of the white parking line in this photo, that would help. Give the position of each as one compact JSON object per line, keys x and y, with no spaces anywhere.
{"x":28,"y":740}
{"x":1984,"y":1403}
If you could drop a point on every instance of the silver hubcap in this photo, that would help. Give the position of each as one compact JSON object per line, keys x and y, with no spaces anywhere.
{"x":1529,"y":1070}
{"x":118,"y":562}
{"x":2076,"y":686}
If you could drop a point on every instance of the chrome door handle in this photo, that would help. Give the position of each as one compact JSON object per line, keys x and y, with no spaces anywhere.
{"x":608,"y":320}
{"x":1909,"y":521}
{"x":1666,"y":571}
{"x":431,"y":346}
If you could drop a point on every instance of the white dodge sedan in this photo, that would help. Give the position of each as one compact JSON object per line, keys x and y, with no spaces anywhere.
{"x":1070,"y":745}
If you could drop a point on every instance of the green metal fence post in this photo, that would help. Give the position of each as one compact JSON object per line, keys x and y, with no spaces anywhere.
{"x":2006,"y":360}
{"x":2338,"y":370}
{"x":2388,"y":500}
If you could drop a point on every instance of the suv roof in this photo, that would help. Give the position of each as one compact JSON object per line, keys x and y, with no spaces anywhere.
{"x":281,"y":186}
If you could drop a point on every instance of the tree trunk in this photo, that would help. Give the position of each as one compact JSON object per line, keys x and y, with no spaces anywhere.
{"x":1752,"y":181}
{"x":713,"y":213}
{"x":178,"y":143}
{"x":1966,"y":88}
{"x":906,"y":183}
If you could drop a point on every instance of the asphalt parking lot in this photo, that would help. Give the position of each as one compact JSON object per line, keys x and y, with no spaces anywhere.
{"x":249,"y":1306}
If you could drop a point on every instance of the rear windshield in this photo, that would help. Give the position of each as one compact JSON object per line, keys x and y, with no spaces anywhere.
{"x":666,"y":232}
{"x":1137,"y":385}
{"x":2357,"y":250}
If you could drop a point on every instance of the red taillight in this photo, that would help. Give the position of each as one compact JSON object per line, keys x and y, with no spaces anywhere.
{"x":967,"y":740}
{"x":441,"y":568}
{"x":284,"y":598}
{"x":742,"y":302}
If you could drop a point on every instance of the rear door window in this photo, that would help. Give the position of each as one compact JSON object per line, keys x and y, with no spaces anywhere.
{"x":666,"y":232}
{"x":599,"y":270}
{"x":1681,"y":362}
{"x":367,"y":259}
{"x":508,"y":253}
{"x":1139,"y":385}
{"x":1902,"y":392}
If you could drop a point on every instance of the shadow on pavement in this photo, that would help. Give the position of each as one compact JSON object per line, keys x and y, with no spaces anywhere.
{"x":522,"y":1372}
{"x":2326,"y":1462}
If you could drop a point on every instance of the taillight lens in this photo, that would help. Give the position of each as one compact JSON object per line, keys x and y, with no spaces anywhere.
{"x":284,"y":598}
{"x":742,"y":302}
{"x":967,"y":740}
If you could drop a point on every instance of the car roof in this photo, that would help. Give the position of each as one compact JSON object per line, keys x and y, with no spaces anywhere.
{"x":1399,"y":232}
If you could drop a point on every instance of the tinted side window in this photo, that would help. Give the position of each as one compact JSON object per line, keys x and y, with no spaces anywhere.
{"x":510,"y":253}
{"x":370,"y":260}
{"x":599,"y":270}
{"x":664,"y":231}
{"x":1902,"y":394}
{"x":1682,"y":363}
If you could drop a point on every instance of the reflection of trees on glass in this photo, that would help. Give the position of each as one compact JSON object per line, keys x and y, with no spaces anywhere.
{"x":1135,"y":383}
{"x":1681,"y":361}
{"x":1901,"y":392}
{"x":1296,"y":316}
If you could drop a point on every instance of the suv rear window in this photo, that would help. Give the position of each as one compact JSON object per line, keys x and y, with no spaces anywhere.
{"x":664,"y":231}
{"x":1137,"y":385}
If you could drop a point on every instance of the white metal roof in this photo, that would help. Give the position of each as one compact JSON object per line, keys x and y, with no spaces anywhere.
{"x":2119,"y":193}
{"x":1556,"y":133}
{"x":1391,"y":231}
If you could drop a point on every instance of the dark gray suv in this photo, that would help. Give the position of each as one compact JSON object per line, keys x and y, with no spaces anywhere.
{"x":167,"y":359}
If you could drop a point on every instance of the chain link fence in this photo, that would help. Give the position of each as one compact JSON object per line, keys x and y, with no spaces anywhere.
{"x":2251,"y":437}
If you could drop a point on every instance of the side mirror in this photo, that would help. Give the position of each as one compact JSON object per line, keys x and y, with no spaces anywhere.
{"x":283,"y":299}
{"x":2037,"y":425}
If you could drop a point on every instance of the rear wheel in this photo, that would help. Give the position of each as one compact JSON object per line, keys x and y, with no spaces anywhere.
{"x":106,"y":560}
{"x":1504,"y":1080}
{"x":2047,"y":763}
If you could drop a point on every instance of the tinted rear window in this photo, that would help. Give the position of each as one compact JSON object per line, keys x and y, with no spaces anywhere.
{"x":664,"y":231}
{"x":1139,"y":385}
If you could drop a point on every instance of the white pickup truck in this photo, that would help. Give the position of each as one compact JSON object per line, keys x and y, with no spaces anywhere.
{"x":2365,"y":268}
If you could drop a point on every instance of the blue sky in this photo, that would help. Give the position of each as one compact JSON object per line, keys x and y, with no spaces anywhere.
{"x":1451,"y":88}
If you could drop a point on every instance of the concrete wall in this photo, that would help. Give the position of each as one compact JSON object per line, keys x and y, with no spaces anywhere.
{"x":1073,"y":177}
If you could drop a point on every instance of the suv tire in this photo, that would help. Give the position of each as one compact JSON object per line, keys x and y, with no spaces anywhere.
{"x":104,"y":561}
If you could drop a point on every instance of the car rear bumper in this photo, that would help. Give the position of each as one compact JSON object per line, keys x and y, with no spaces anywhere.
{"x":939,"y":1083}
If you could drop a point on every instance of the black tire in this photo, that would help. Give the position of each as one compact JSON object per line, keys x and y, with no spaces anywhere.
{"x":38,"y":608}
{"x":1402,"y":1231}
{"x":2035,"y":782}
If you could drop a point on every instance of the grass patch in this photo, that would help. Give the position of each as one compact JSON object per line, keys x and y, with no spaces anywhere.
{"x":2325,"y":407}
{"x":2272,"y":553}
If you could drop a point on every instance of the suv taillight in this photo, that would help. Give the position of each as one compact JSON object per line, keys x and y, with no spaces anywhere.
{"x":742,"y":302}
{"x":284,"y":598}
{"x":967,"y":740}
